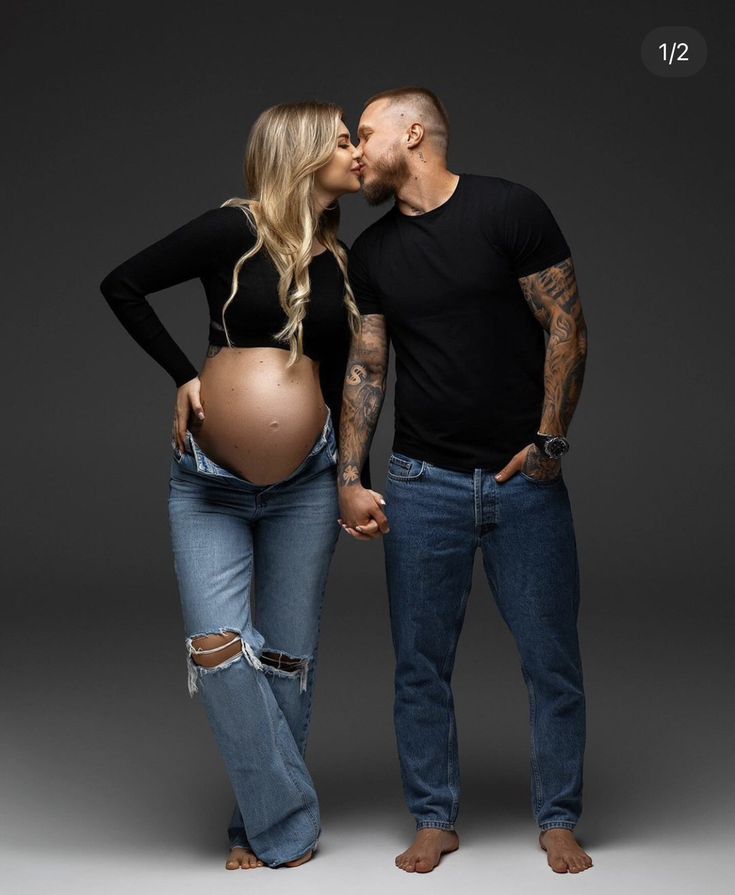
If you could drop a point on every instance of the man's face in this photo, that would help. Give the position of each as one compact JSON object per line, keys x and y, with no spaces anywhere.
{"x":384,"y":163}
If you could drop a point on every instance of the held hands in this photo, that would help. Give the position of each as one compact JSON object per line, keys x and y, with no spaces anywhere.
{"x":361,"y":513}
{"x":187,"y":402}
{"x":533,"y":463}
{"x":360,"y":508}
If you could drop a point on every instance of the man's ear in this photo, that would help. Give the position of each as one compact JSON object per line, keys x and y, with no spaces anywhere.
{"x":415,"y":134}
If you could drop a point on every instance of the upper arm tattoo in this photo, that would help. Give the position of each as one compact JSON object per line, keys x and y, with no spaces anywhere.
{"x":552,"y":291}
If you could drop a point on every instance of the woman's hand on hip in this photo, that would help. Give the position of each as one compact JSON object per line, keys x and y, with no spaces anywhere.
{"x":187,"y":402}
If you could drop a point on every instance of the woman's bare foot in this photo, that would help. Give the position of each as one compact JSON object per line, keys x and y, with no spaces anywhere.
{"x":428,"y":847}
{"x":242,"y":859}
{"x":565,"y":854}
{"x":302,"y":860}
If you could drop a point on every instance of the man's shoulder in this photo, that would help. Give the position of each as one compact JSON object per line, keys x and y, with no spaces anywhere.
{"x":503,"y":187}
{"x":488,"y":184}
{"x":374,"y":232}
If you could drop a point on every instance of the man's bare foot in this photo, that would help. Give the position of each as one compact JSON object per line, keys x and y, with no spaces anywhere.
{"x":565,"y":854}
{"x":302,"y":860}
{"x":430,"y":844}
{"x":242,"y":859}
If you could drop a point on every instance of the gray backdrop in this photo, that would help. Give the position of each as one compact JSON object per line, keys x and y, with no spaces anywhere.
{"x":123,"y":122}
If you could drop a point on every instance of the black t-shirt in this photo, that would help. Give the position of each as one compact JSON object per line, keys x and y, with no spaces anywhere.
{"x":207,"y":248}
{"x":469,"y":352}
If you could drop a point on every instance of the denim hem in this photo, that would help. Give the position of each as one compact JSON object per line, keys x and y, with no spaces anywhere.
{"x":312,"y":848}
{"x":434,"y":824}
{"x":552,"y":824}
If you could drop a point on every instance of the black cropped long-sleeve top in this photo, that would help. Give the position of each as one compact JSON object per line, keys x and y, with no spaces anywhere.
{"x":207,"y":248}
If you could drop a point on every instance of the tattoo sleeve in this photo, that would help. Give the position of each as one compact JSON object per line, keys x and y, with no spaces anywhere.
{"x":553,"y":298}
{"x":362,"y":397}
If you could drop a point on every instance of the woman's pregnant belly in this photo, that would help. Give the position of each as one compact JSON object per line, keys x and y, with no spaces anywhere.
{"x":261,"y":419}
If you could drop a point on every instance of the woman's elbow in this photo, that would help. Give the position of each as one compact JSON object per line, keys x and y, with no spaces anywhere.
{"x":108,"y":284}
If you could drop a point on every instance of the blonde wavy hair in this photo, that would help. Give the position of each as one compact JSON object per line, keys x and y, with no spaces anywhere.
{"x":287,"y":145}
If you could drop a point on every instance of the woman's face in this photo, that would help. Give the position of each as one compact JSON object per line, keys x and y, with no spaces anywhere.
{"x":341,"y":174}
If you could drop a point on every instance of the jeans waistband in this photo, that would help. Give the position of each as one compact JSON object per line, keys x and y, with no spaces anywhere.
{"x":327,"y":439}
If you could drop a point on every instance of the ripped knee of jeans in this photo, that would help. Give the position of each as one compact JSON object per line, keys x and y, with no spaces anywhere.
{"x":280,"y":664}
{"x":215,"y":651}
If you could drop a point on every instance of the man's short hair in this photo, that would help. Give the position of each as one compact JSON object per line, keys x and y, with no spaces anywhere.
{"x":430,"y":108}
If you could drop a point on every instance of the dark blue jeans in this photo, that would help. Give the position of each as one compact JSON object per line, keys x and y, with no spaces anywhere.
{"x":524,"y":529}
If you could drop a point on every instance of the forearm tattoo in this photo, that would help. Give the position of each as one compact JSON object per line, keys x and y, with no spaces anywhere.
{"x":553,"y":298}
{"x":362,"y":397}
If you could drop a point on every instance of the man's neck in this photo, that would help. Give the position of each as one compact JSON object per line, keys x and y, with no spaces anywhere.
{"x":424,"y":191}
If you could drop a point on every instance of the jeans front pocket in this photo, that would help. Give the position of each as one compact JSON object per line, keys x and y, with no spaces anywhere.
{"x":405,"y":469}
{"x":542,"y":482}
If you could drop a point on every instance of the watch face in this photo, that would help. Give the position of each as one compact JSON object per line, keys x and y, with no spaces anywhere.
{"x":556,"y":446}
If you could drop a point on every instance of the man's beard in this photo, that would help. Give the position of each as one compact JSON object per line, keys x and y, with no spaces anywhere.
{"x":388,"y":177}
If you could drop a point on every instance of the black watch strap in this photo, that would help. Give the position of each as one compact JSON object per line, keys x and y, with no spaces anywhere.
{"x":540,"y":441}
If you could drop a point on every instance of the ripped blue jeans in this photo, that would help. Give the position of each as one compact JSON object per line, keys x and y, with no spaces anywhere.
{"x":233,"y":540}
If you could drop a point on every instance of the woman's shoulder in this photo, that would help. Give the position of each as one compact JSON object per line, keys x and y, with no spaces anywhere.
{"x":233,"y":226}
{"x":235,"y":213}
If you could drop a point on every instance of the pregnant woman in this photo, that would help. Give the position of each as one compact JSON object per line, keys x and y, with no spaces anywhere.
{"x":253,"y":496}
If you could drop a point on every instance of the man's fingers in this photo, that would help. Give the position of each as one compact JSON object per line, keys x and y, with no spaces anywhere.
{"x":378,"y":516}
{"x":505,"y":473}
{"x":370,"y":533}
{"x":377,"y":523}
{"x":511,"y":468}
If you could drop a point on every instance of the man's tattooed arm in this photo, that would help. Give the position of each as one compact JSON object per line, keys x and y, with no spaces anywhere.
{"x":362,"y":397}
{"x":553,"y":298}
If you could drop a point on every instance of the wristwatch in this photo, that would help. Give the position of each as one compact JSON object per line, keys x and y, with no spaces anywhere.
{"x":552,"y":446}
